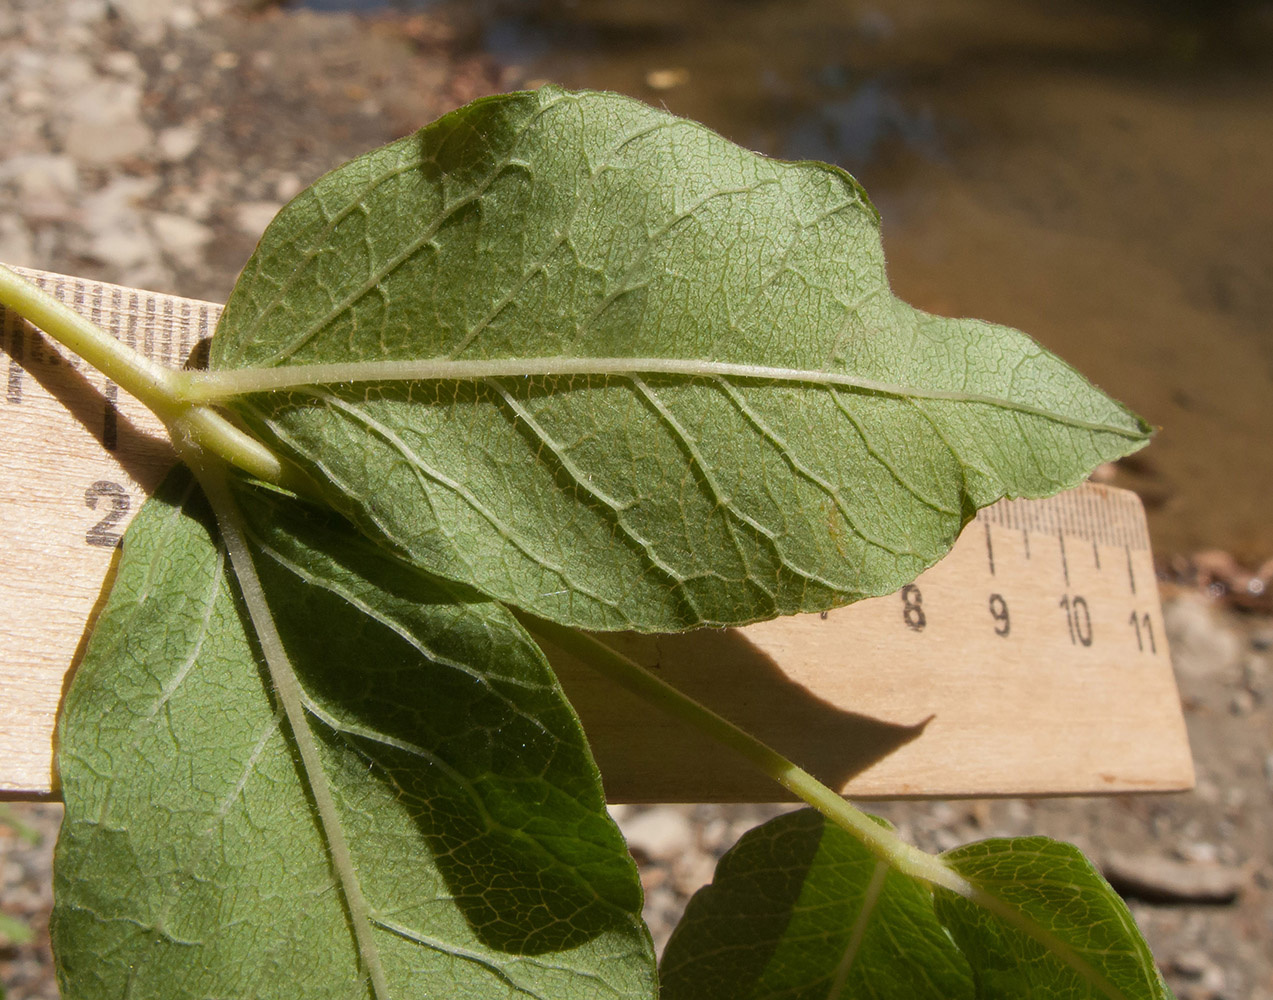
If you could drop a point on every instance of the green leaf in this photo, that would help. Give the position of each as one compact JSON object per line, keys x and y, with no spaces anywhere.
{"x":602,"y":364}
{"x":13,"y":931}
{"x":1045,"y":925}
{"x":799,"y":909}
{"x":193,"y":862}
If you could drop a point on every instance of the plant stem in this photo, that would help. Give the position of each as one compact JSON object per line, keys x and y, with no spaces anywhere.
{"x":161,"y":389}
{"x":880,"y":840}
{"x":287,"y":687}
{"x":153,"y":384}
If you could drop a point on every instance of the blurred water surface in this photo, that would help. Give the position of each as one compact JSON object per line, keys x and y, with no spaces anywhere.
{"x":1097,"y":174}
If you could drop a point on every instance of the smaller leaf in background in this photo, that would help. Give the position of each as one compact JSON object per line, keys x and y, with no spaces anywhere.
{"x":12,"y":932}
{"x":1091,"y":948}
{"x":192,"y":862}
{"x":25,"y":832}
{"x":799,"y":909}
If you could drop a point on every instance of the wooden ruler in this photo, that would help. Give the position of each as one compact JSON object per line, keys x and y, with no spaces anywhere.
{"x":1032,"y":660}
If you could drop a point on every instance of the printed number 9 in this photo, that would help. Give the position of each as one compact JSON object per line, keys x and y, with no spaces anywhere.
{"x":999,"y":612}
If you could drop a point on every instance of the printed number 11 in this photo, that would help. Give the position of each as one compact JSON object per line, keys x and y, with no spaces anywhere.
{"x":1143,"y":621}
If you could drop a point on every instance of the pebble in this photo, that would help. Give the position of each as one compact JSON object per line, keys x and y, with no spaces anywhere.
{"x":16,"y":246}
{"x":105,"y":123}
{"x":180,"y":236}
{"x":1161,"y":880}
{"x":252,"y":217}
{"x":177,"y":142}
{"x":662,"y":833}
{"x":43,"y":184}
{"x":1202,"y":641}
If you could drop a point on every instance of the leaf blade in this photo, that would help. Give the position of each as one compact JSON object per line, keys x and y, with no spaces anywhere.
{"x":1055,"y":929}
{"x":799,"y":909}
{"x":192,"y":862}
{"x":592,"y":231}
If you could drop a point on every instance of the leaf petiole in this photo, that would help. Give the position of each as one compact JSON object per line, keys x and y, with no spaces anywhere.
{"x":161,"y":389}
{"x":881,"y":841}
{"x":212,"y":478}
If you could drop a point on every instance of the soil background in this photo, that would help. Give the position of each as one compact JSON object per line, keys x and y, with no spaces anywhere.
{"x":149,"y":142}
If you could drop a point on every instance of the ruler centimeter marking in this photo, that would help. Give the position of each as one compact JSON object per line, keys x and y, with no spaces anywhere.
{"x":1018,"y":664}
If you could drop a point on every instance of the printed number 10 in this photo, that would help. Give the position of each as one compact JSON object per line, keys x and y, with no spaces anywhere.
{"x":1078,"y":618}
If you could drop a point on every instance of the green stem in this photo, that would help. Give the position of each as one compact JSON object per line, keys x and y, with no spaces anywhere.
{"x":154,"y":385}
{"x":287,"y":687}
{"x":880,"y":840}
{"x":161,"y":389}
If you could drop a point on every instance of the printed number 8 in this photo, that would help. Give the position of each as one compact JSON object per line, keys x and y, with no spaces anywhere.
{"x":913,"y":608}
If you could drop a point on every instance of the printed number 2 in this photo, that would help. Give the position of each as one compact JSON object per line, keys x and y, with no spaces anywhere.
{"x":103,"y":533}
{"x":913,"y":608}
{"x":1079,"y":619}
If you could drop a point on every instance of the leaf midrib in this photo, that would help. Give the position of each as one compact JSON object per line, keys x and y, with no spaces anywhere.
{"x":226,"y":384}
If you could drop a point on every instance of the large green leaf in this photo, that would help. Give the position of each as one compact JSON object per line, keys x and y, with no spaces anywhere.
{"x":193,"y":862}
{"x":659,"y":380}
{"x":800,"y":910}
{"x":1046,"y":926}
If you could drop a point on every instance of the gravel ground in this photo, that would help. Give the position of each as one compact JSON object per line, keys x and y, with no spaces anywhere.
{"x":148,"y":142}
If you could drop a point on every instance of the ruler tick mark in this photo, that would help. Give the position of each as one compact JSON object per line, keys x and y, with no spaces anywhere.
{"x":1096,"y":554}
{"x":110,"y":419}
{"x":990,"y":551}
{"x":1131,"y":575}
{"x":17,"y":345}
{"x":1065,"y":563}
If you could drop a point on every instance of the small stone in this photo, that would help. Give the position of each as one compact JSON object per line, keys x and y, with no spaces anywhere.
{"x":1203,"y":643}
{"x":124,"y":65}
{"x":253,"y":216}
{"x":181,"y":237}
{"x":1192,"y":964}
{"x":149,"y":18}
{"x":1160,"y":880}
{"x":667,"y":79}
{"x":176,"y":143}
{"x":691,"y":871}
{"x":43,"y":184}
{"x":183,"y":19}
{"x":659,"y":834}
{"x":1200,"y":853}
{"x":15,"y":242}
{"x":105,"y":124}
{"x":287,"y":187}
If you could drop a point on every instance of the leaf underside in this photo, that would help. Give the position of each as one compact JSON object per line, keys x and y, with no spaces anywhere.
{"x":192,"y":863}
{"x":618,"y":372}
{"x":751,"y":424}
{"x":800,"y":910}
{"x":1086,"y":945}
